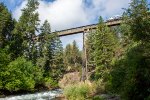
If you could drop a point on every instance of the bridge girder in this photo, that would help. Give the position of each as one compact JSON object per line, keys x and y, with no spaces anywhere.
{"x":82,"y":29}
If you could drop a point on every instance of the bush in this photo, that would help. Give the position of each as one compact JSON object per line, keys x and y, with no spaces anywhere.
{"x":79,"y":91}
{"x":99,"y":86}
{"x":98,"y":98}
{"x":4,"y":61}
{"x":21,"y":75}
{"x":50,"y":83}
{"x":38,"y":73}
{"x":131,"y":76}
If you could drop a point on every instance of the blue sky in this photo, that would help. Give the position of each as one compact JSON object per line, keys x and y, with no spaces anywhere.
{"x":64,"y":14}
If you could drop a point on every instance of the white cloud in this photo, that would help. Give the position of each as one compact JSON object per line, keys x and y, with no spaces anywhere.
{"x":107,"y":8}
{"x":63,"y":14}
{"x":17,"y":12}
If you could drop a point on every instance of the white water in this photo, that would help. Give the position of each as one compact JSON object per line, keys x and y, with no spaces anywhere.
{"x":49,"y":95}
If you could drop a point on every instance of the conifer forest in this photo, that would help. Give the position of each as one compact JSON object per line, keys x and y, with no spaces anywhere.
{"x":117,"y":59}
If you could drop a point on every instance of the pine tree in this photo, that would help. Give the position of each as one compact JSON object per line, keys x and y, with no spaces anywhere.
{"x":43,"y":45}
{"x":6,"y":26}
{"x":44,"y":38}
{"x":131,"y":75}
{"x":67,"y":56}
{"x":56,"y":63}
{"x":103,"y":50}
{"x":137,"y":17}
{"x":24,"y":32}
{"x":75,"y":54}
{"x":72,"y":57}
{"x":90,"y":49}
{"x":50,"y":53}
{"x":45,"y":49}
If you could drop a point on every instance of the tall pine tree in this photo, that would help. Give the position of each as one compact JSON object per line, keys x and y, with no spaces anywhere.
{"x":25,"y":32}
{"x":6,"y":26}
{"x":102,"y":46}
{"x":50,"y":53}
{"x":72,"y":57}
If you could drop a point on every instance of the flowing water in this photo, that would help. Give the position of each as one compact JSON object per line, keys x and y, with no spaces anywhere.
{"x":48,"y":95}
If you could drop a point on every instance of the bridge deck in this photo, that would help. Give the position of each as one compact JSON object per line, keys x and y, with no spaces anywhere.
{"x":84,"y":28}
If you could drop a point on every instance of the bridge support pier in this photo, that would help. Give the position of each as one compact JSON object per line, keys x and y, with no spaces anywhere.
{"x":84,"y":57}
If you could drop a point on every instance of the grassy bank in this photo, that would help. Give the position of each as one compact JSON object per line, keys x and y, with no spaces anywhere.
{"x":83,"y":90}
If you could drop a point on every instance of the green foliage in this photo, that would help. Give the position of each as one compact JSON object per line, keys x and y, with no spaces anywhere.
{"x":38,"y":75}
{"x":137,"y":17}
{"x":102,"y":46}
{"x":100,"y":86}
{"x":6,"y":26}
{"x":90,"y":49}
{"x":56,"y":63}
{"x":67,"y":56}
{"x":24,"y":32}
{"x":98,"y":98}
{"x":72,"y":57}
{"x":137,"y":81}
{"x":76,"y":56}
{"x":50,"y":53}
{"x":22,"y":75}
{"x":78,"y":92}
{"x":130,"y":76}
{"x":118,"y":76}
{"x":4,"y":61}
{"x":21,"y":51}
{"x":49,"y":82}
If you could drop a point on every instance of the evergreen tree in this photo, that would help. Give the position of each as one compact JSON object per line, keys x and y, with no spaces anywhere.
{"x":44,"y":52}
{"x":50,"y":53}
{"x":90,"y":49}
{"x":44,"y":38}
{"x":72,"y":57}
{"x":56,"y":63}
{"x":67,"y":56}
{"x":130,"y":77}
{"x":137,"y":18}
{"x":76,"y":54}
{"x":4,"y":61}
{"x":102,"y":50}
{"x":24,"y":32}
{"x":6,"y":26}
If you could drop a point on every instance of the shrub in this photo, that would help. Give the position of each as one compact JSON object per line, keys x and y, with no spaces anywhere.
{"x":50,"y":83}
{"x":38,"y":73}
{"x":79,"y":91}
{"x":131,"y":78}
{"x":99,"y":86}
{"x":1,"y":84}
{"x":21,"y":75}
{"x":98,"y":98}
{"x":4,"y":61}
